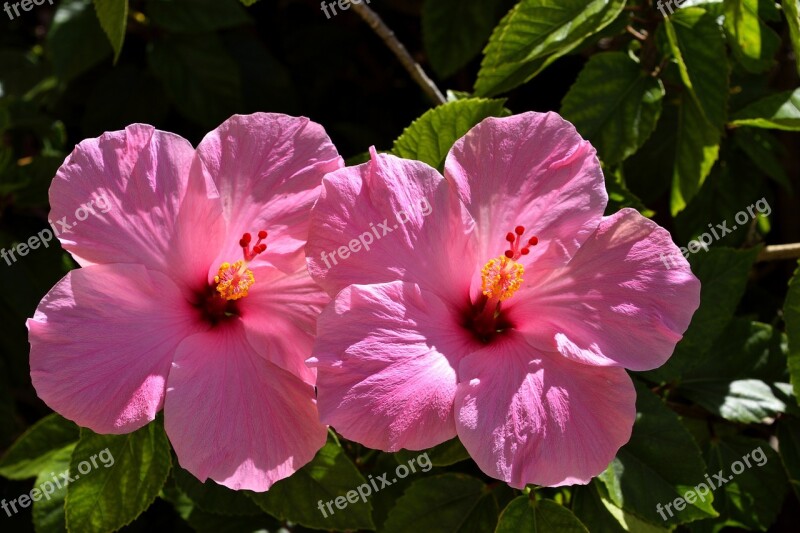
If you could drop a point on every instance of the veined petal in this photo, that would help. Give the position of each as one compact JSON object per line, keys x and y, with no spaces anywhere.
{"x":532,"y":170}
{"x":387,"y":356}
{"x":117,"y":199}
{"x":267,"y":170}
{"x":102,"y":342}
{"x":280,"y":318}
{"x":530,"y":417}
{"x":391,"y":219}
{"x":236,"y":418}
{"x":625,"y":299}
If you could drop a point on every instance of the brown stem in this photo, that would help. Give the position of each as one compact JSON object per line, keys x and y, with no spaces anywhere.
{"x":778,"y":252}
{"x":388,"y":37}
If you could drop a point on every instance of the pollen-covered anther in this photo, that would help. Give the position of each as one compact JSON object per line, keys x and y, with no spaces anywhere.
{"x":501,"y":278}
{"x":234,"y":280}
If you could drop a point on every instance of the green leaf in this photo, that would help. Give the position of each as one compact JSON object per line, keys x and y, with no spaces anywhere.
{"x":591,"y":506}
{"x":778,"y":111}
{"x":749,"y":401}
{"x":735,"y":379}
{"x":789,"y":446}
{"x":385,"y":500}
{"x":733,"y":187}
{"x":697,"y":44}
{"x":199,"y":76}
{"x":752,"y":495}
{"x":791,"y":8}
{"x":455,"y":31}
{"x":614,"y":104}
{"x":697,"y":150}
{"x":543,"y":516}
{"x":445,"y":454}
{"x":37,"y":447}
{"x":113,"y":15}
{"x":619,"y":196}
{"x":116,"y":477}
{"x":754,"y":44}
{"x":430,"y":137}
{"x":196,"y":16}
{"x":659,"y":464}
{"x":248,"y":2}
{"x":330,"y":475}
{"x":723,"y":274}
{"x":48,"y":512}
{"x":76,"y":41}
{"x":764,"y":151}
{"x":791,"y":314}
{"x":203,"y":521}
{"x":534,"y":34}
{"x":745,"y":349}
{"x":649,"y":171}
{"x":214,"y":498}
{"x":449,"y":503}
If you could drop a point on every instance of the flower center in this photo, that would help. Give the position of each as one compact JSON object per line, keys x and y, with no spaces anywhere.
{"x":501,"y":278}
{"x":233,"y":280}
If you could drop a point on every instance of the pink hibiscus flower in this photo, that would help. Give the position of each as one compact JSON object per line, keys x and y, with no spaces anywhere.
{"x":507,"y":316}
{"x":193,"y":294}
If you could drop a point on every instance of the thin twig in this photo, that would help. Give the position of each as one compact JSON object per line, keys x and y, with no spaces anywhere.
{"x":641,"y":35}
{"x":388,"y":37}
{"x":780,"y":251}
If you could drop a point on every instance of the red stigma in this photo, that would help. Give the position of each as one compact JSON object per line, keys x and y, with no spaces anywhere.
{"x":258,"y":248}
{"x":517,"y":250}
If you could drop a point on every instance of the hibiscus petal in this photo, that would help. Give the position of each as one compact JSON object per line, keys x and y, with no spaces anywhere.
{"x":391,"y":219}
{"x":280,"y":318}
{"x":102,"y":342}
{"x":387,"y":357}
{"x":617,"y":303}
{"x":236,"y":418}
{"x":268,"y":169}
{"x":532,"y":170}
{"x":530,"y":417}
{"x":116,"y":199}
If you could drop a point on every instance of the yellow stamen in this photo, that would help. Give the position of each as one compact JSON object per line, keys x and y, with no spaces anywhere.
{"x":501,"y":278}
{"x":234,"y":280}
